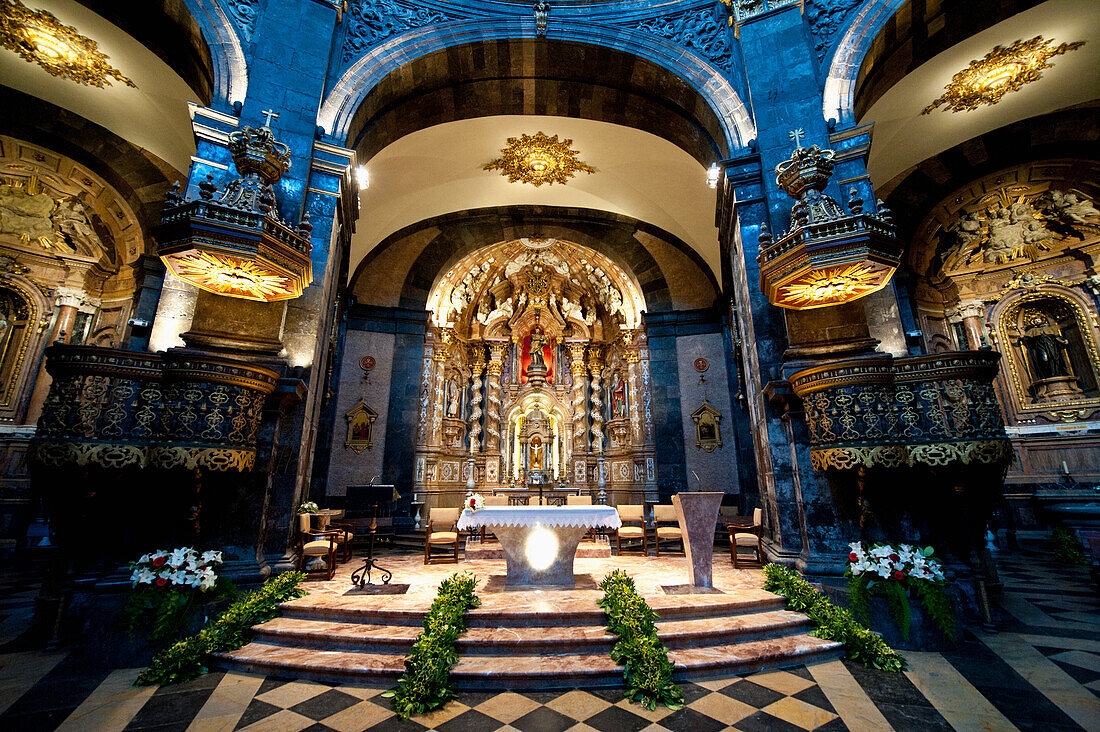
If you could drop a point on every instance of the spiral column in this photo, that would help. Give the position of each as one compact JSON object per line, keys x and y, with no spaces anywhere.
{"x":475,"y":407}
{"x":595,"y":367}
{"x":580,"y":381}
{"x":492,"y":424}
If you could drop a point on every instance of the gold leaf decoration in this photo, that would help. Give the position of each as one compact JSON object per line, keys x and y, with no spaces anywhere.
{"x":999,"y":72}
{"x":39,"y":37}
{"x":230,"y":276}
{"x":538,"y":159}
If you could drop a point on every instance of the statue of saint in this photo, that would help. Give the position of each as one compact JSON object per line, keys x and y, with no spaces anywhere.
{"x":538,"y":340}
{"x":452,"y":399}
{"x":618,"y":397}
{"x":1045,"y":346}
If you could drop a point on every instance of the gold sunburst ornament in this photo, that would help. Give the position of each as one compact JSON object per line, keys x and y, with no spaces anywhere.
{"x":538,"y":159}
{"x":833,"y":286}
{"x":231,"y":276}
{"x":999,"y":72}
{"x":39,"y":37}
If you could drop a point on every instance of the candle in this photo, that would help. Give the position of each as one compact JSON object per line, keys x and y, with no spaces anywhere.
{"x":1065,"y":468}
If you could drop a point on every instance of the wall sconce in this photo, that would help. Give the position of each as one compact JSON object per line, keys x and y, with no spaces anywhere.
{"x":362,"y":177}
{"x":712,"y":175}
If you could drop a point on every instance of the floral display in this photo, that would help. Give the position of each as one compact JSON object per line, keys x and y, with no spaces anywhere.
{"x":308,"y":507}
{"x":176,"y":569}
{"x":896,"y":572}
{"x":894,"y":561}
{"x":475,"y":502}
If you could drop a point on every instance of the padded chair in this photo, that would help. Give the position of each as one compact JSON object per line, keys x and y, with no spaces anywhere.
{"x":493,"y":501}
{"x":315,"y":544}
{"x":664,"y":514}
{"x":578,"y":500}
{"x":750,"y":536}
{"x":344,"y":535}
{"x":442,"y":530}
{"x":631,"y":514}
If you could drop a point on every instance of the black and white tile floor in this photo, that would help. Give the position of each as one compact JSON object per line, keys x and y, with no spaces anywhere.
{"x":1041,"y":671}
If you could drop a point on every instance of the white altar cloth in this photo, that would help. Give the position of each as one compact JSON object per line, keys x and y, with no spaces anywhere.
{"x":540,"y":542}
{"x":582,"y":517}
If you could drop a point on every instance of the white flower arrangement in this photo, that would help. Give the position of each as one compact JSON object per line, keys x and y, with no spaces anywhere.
{"x":894,"y":562}
{"x":475,"y":502}
{"x":179,"y":568}
{"x":308,"y":507}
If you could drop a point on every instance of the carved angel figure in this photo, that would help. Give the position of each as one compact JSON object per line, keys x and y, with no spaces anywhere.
{"x":1067,"y":205}
{"x":71,"y":219}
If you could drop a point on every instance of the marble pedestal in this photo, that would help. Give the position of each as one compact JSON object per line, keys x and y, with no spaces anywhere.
{"x":697,"y":514}
{"x":528,"y":548}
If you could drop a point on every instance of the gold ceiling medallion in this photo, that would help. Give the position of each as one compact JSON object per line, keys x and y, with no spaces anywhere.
{"x":538,"y":159}
{"x":39,"y":37}
{"x":821,"y":288}
{"x":999,"y":72}
{"x":230,"y":276}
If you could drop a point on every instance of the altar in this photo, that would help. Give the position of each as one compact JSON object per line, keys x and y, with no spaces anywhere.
{"x":540,"y":542}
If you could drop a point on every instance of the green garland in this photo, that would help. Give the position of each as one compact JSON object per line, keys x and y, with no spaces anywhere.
{"x":230,"y":630}
{"x":832,"y":622}
{"x":164,"y":613}
{"x":646,"y":668}
{"x":1067,"y":547}
{"x":426,"y":683}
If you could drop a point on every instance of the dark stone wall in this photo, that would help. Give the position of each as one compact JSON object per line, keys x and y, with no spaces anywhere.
{"x":542,"y":77}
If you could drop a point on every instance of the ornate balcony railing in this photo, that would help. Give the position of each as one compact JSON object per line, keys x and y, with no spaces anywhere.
{"x":936,"y":411}
{"x":117,"y":409}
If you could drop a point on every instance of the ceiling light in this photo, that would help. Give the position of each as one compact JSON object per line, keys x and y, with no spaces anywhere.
{"x":538,"y":159}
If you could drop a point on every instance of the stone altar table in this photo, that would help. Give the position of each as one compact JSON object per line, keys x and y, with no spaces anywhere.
{"x":697,"y":514}
{"x":540,"y":542}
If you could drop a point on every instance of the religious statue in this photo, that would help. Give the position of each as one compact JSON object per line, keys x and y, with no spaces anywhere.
{"x":1045,"y":346}
{"x":618,"y":397}
{"x":535,"y":454}
{"x":1068,"y":206}
{"x":1012,"y":231}
{"x":25,"y":214}
{"x":71,"y":219}
{"x":452,"y":399}
{"x":538,"y":340}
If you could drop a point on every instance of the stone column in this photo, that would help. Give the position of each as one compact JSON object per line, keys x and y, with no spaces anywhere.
{"x":438,"y":396}
{"x":68,"y":302}
{"x":972,"y":313}
{"x":580,"y":423}
{"x":475,"y":406}
{"x":637,"y":431}
{"x":492,"y":424}
{"x":423,"y":426}
{"x":595,"y":367}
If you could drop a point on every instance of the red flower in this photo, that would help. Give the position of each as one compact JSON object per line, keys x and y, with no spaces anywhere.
{"x":898,"y":574}
{"x":894,"y":557}
{"x":852,"y":557}
{"x":159,"y":561}
{"x":162,"y":581}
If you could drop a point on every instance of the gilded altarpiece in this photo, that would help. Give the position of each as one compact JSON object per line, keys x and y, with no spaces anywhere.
{"x":533,"y":377}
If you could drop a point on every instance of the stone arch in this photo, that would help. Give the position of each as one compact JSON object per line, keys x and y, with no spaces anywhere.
{"x":710,"y":84}
{"x":230,"y":70}
{"x":16,"y":392}
{"x":437,"y":243}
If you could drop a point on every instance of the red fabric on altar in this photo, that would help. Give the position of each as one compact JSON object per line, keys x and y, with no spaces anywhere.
{"x":548,"y":350}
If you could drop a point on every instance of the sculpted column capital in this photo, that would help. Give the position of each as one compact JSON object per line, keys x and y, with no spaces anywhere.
{"x":970,"y":309}
{"x":73,"y":297}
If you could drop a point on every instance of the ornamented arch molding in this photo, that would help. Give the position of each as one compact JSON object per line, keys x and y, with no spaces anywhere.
{"x":840,"y":85}
{"x":230,"y":67}
{"x":352,"y":88}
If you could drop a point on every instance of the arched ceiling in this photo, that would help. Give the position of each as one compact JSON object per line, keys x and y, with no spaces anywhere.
{"x":440,"y":170}
{"x":541,"y":77}
{"x":903,"y":137}
{"x":152,"y":116}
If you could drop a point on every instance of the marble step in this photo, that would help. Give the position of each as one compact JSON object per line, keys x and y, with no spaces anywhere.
{"x":375,"y":638}
{"x":522,"y":671}
{"x":502,"y":610}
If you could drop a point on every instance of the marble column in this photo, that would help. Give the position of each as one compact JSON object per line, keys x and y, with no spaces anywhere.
{"x":475,"y":406}
{"x":579,"y":371}
{"x":492,"y":424}
{"x":972,"y":314}
{"x":595,"y":368}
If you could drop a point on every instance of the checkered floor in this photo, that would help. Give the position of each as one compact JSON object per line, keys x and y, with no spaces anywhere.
{"x":779,"y":700}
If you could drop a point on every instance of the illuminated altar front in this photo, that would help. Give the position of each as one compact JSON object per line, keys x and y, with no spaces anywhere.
{"x":535,"y":376}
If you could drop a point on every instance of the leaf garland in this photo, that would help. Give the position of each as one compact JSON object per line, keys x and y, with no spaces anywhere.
{"x":646,"y":668}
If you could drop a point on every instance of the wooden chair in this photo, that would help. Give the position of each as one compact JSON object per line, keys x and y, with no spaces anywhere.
{"x":313,"y":544}
{"x":344,"y":535}
{"x":664,"y":514}
{"x":631,"y":514}
{"x":750,"y":536}
{"x":442,"y":529}
{"x":493,"y":501}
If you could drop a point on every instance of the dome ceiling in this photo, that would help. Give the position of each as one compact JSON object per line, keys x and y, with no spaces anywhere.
{"x":574,"y":290}
{"x":440,"y":170}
